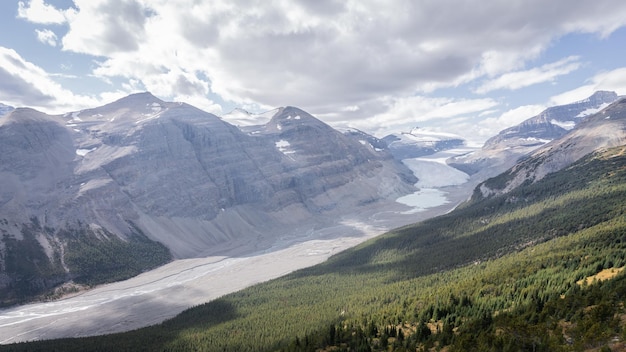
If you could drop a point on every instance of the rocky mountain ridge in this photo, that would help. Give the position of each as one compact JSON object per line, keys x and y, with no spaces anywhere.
{"x":502,"y":151}
{"x":143,"y":169}
{"x":602,"y":130}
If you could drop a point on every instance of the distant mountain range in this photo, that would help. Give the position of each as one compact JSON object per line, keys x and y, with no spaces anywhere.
{"x":503,"y":150}
{"x":402,"y":145}
{"x":105,"y":193}
{"x":85,"y":191}
{"x":602,"y":130}
{"x":533,"y":261}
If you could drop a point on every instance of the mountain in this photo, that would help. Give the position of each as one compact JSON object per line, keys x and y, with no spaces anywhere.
{"x":420,"y":142}
{"x":539,"y":267}
{"x":554,"y":122}
{"x":5,"y":109}
{"x":604,"y":129}
{"x":503,"y":150}
{"x":105,"y":193}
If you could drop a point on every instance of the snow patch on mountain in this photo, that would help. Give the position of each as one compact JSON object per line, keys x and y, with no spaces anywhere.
{"x":155,"y":107}
{"x":592,"y":111}
{"x":566,"y":125}
{"x":154,"y":110}
{"x":83,"y":152}
{"x":76,"y":117}
{"x":283,"y":146}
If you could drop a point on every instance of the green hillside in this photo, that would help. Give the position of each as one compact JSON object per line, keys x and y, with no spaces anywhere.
{"x":498,"y":274}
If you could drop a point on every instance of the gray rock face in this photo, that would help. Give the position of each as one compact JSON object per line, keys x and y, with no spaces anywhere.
{"x":182,"y":176}
{"x":503,"y":150}
{"x":36,"y":158}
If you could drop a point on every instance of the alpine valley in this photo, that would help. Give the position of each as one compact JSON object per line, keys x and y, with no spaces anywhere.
{"x":526,"y":254}
{"x":103,"y":194}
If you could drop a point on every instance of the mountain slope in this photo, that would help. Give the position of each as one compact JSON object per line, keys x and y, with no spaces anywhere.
{"x":554,"y":122}
{"x":604,"y":129}
{"x":503,"y":150}
{"x":151,"y":173}
{"x":498,"y":271}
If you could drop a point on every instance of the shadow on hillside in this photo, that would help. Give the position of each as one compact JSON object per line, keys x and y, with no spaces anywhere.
{"x":212,"y":313}
{"x":445,"y":243}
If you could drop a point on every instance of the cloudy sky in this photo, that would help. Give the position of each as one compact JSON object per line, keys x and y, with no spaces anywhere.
{"x":471,"y":67}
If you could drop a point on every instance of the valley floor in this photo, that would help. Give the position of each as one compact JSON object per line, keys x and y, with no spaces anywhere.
{"x":164,"y":292}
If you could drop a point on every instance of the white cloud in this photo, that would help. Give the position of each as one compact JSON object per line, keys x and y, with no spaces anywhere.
{"x":573,"y":95}
{"x":474,"y":119}
{"x":37,"y":11}
{"x":512,"y":117}
{"x":200,"y":103}
{"x":327,"y":53}
{"x":24,"y":84}
{"x":46,"y":36}
{"x":614,"y":80}
{"x":495,"y":62}
{"x":480,"y":127}
{"x":107,"y":27}
{"x":521,"y":79}
{"x":408,"y":112}
{"x":352,"y":61}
